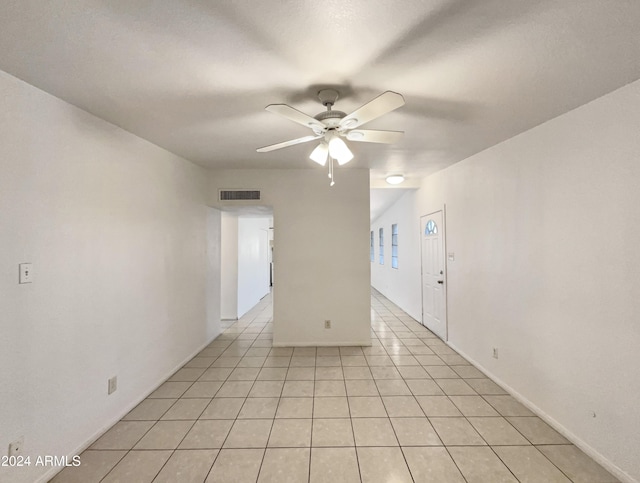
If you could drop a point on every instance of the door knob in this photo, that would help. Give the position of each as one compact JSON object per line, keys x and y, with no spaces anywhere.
{"x":440,"y":281}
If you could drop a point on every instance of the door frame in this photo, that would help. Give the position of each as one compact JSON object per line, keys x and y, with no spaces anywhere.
{"x":443,"y":232}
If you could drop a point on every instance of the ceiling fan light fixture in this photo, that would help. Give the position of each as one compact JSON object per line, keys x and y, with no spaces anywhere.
{"x":319,"y":154}
{"x":395,"y":179}
{"x":339,"y":151}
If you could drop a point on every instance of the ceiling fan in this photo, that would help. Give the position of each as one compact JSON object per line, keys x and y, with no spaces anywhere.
{"x":334,"y":126}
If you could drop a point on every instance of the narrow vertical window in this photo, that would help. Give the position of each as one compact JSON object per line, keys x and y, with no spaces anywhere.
{"x":371,"y":254}
{"x":381,"y":237}
{"x":394,"y":245}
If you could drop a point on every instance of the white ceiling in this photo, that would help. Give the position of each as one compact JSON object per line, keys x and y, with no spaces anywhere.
{"x":193,"y":76}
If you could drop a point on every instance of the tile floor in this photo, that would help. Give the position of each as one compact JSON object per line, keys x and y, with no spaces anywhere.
{"x":406,"y":409}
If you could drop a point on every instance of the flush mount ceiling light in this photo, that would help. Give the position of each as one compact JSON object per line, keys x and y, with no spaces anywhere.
{"x":335,"y":126}
{"x":395,"y":179}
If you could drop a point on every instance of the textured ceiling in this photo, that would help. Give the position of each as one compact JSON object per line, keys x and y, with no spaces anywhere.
{"x":193,"y":76}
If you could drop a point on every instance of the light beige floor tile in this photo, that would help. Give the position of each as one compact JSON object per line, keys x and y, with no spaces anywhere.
{"x":149,"y":410}
{"x":392,"y":387}
{"x":187,"y":467}
{"x":298,"y":389}
{"x":437,"y":406}
{"x":259,"y":408}
{"x":330,"y":407}
{"x":424,"y":387}
{"x":379,"y":361}
{"x":529,"y":465}
{"x":508,"y":406}
{"x":187,"y":374}
{"x":367,"y":407}
{"x":249,"y":433}
{"x":577,"y":465}
{"x":226,"y":362}
{"x":455,"y":387}
{"x":328,"y":361}
{"x":281,"y":351}
{"x":235,"y":389}
{"x":187,"y":409}
{"x":272,"y":374}
{"x":207,"y":434}
{"x":357,"y":372}
{"x":415,"y":432}
{"x":334,"y":465}
{"x":216,"y":374}
{"x":258,"y":351}
{"x":203,"y":389}
{"x":432,"y":465}
{"x":329,"y":374}
{"x":165,"y":435}
{"x":332,"y":432}
{"x":255,"y":362}
{"x":266,"y":389}
{"x":382,"y":372}
{"x":456,"y":432}
{"x":304,"y":351}
{"x":473,"y":406}
{"x":285,"y":465}
{"x":330,"y":388}
{"x":361,"y":388}
{"x":353,"y":361}
{"x":94,"y":466}
{"x":123,"y":435}
{"x":537,"y":431}
{"x":430,"y":360}
{"x":138,"y":466}
{"x":374,"y":432}
{"x":441,"y":372}
{"x":402,"y":406}
{"x":170,"y":390}
{"x":454,"y":360}
{"x":223,"y":408}
{"x":301,"y":374}
{"x":497,"y":431}
{"x":405,"y":360}
{"x":244,"y":374}
{"x":413,"y":372}
{"x":480,"y":465}
{"x":200,"y":362}
{"x":295,"y":407}
{"x":327,"y":351}
{"x":383,"y":465}
{"x":469,"y":372}
{"x":303,"y":361}
{"x":277,"y":361}
{"x":236,"y":466}
{"x":290,"y":433}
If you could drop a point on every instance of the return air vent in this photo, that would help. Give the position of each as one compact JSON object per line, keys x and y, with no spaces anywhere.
{"x":239,"y":195}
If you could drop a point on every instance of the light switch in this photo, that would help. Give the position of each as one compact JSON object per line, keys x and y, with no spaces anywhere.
{"x":451,"y":256}
{"x":26,"y":272}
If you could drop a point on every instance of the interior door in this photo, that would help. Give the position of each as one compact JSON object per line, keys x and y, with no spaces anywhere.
{"x":434,"y":306}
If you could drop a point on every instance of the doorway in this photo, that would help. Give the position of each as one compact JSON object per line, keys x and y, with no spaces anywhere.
{"x":434,"y":300}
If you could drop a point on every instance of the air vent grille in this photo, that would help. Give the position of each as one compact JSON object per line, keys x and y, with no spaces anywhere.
{"x":239,"y":195}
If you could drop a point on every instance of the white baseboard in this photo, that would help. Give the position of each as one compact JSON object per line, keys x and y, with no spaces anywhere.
{"x":55,"y":470}
{"x":584,"y":446}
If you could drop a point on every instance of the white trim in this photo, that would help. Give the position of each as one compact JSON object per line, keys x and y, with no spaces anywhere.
{"x":56,"y":469}
{"x":585,"y":447}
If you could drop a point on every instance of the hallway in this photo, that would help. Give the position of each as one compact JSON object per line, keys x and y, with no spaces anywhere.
{"x":406,"y":409}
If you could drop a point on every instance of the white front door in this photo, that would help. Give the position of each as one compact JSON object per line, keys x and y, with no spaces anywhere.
{"x":434,"y":305}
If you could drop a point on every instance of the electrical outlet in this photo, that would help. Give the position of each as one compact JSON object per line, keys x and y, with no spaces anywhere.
{"x":495,"y":352}
{"x":327,"y":324}
{"x":15,"y":448}
{"x":26,"y":273}
{"x":113,"y":385}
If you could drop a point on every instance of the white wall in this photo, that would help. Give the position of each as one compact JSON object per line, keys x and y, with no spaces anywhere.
{"x":229,"y":266}
{"x":253,"y":261}
{"x":116,"y":229}
{"x":545,"y":229}
{"x":321,"y":256}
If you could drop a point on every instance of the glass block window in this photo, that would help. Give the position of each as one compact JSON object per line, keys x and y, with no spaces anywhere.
{"x":431,"y":228}
{"x":394,"y":245}
{"x":371,"y":254}
{"x":381,"y":241}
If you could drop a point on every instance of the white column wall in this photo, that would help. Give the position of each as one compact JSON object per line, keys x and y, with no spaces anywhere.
{"x":545,"y":228}
{"x":321,"y":257}
{"x":229,"y":266}
{"x":116,"y":229}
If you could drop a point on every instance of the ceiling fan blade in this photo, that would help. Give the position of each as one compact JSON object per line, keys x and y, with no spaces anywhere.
{"x":371,"y":136}
{"x":285,"y":144}
{"x":385,"y":102}
{"x":294,"y":115}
